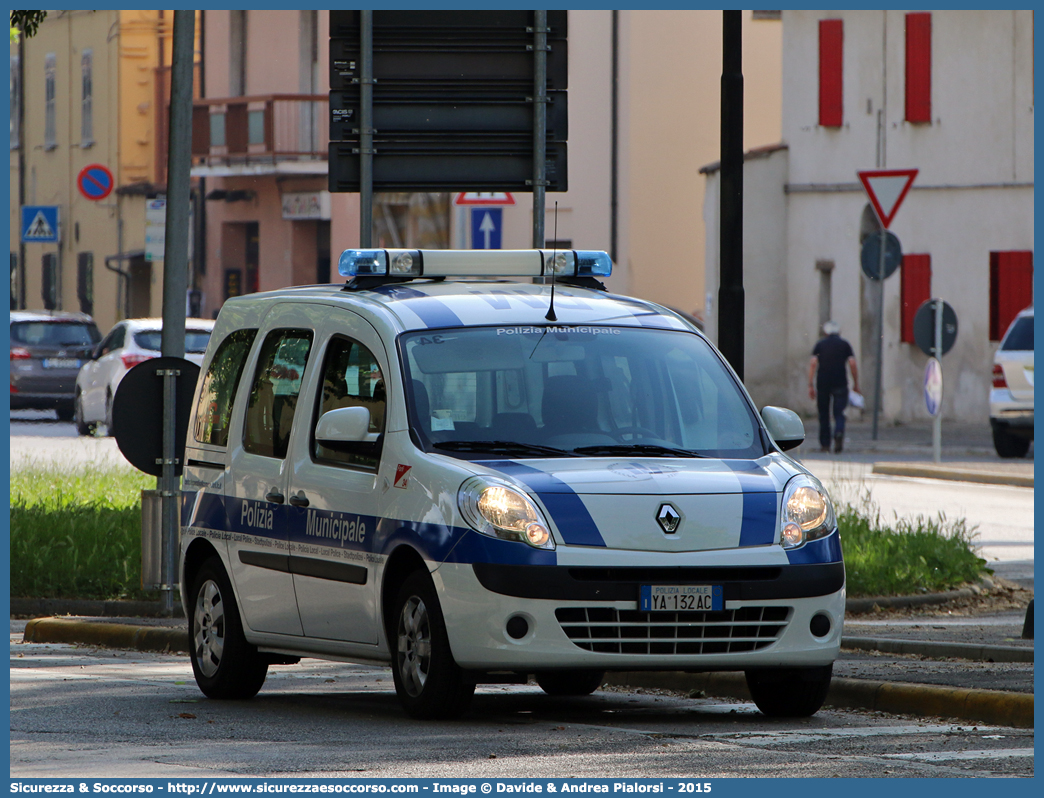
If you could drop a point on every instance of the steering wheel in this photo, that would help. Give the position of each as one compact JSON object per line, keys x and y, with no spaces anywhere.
{"x":644,"y":432}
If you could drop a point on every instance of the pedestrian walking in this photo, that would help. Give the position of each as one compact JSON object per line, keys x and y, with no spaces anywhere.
{"x":828,"y":383}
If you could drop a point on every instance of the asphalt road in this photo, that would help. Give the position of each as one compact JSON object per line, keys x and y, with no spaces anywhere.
{"x":102,"y":713}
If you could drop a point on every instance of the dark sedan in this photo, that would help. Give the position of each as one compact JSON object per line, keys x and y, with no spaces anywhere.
{"x":47,"y":350}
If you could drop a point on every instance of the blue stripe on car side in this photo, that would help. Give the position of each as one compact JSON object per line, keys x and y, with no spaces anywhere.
{"x":568,"y":510}
{"x":824,"y":550}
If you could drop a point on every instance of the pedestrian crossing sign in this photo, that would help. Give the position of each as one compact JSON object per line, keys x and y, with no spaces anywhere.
{"x":39,"y":223}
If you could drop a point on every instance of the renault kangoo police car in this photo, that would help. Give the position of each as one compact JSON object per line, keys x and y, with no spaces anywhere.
{"x":479,"y":480}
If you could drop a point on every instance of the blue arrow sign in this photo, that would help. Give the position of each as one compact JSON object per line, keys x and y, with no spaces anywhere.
{"x":486,"y":226}
{"x":39,"y":224}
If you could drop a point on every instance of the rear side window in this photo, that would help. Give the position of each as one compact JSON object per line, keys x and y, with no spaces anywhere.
{"x":54,"y":333}
{"x":218,"y":393}
{"x":195,"y":340}
{"x":273,"y":394}
{"x":352,"y":378}
{"x":1020,"y":336}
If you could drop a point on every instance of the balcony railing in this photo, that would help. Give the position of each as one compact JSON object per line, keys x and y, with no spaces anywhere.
{"x":261,"y":129}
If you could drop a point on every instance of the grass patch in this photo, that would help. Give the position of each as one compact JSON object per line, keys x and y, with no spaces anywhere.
{"x":909,"y":556}
{"x":77,"y":533}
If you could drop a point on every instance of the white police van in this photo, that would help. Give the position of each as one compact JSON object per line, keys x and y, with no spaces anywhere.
{"x":456,"y":478}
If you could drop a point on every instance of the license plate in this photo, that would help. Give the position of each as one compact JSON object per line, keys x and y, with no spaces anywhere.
{"x":675,"y":598}
{"x":61,"y":363}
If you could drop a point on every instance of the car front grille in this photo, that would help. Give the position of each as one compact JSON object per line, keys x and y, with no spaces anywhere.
{"x":612,"y":631}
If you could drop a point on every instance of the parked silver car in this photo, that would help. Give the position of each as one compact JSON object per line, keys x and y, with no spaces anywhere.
{"x":47,"y":350}
{"x":1011,"y":398}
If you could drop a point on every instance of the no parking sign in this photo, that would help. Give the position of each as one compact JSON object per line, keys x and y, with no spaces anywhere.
{"x":95,"y":181}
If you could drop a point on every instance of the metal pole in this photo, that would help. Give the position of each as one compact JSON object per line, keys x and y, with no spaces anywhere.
{"x":880,"y":330}
{"x":539,"y":125}
{"x":366,"y":130}
{"x":175,"y":279}
{"x":937,"y":421}
{"x":730,"y":291}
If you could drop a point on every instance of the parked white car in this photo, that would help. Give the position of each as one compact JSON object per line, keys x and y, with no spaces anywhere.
{"x":1011,"y":397}
{"x":128,"y":343}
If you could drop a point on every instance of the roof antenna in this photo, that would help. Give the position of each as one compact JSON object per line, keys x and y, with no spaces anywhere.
{"x":554,"y":255}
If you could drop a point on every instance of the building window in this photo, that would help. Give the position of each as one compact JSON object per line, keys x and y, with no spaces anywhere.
{"x":919,"y":67}
{"x":1011,"y":288}
{"x":831,"y":41}
{"x":50,"y":290}
{"x":50,"y":129}
{"x":86,"y":116}
{"x":85,"y":282}
{"x":915,"y":287}
{"x":16,"y":102}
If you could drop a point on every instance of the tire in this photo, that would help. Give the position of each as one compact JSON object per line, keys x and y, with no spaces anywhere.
{"x":82,"y":427}
{"x":429,"y":683}
{"x":789,"y":692}
{"x":1008,"y":445}
{"x":565,"y":683}
{"x":225,"y":665}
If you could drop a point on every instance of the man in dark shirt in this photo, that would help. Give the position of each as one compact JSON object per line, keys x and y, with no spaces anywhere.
{"x":828,"y":383}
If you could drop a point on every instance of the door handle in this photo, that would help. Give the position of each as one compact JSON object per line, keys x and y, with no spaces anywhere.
{"x":300,"y":500}
{"x":274,"y":496}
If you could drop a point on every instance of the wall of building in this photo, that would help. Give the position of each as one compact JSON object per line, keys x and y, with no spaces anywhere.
{"x":973,"y":195}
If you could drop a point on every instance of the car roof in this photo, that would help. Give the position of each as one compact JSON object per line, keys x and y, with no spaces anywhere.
{"x":50,"y":315}
{"x":423,"y":305}
{"x":157,"y":324}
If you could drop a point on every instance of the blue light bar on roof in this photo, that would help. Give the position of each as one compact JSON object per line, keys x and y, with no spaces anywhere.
{"x":408,"y":263}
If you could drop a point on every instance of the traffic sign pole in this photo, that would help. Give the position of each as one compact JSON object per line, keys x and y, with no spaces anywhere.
{"x":937,"y":421}
{"x":879,"y":369}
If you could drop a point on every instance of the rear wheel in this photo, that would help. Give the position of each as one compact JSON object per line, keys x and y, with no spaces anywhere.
{"x":65,"y":411}
{"x":575,"y":682}
{"x":224,"y":663}
{"x":428,"y":681}
{"x":1008,"y":445}
{"x":789,"y":692}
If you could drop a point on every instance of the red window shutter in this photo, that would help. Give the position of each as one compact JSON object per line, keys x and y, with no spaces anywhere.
{"x":1011,"y":288}
{"x":915,"y":286}
{"x":831,"y":40}
{"x":919,"y":67}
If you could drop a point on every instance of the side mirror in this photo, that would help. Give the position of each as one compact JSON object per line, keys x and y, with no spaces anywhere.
{"x":784,"y":426}
{"x":343,"y":425}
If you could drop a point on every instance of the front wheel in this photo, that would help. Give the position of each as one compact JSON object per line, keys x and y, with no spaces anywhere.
{"x":1008,"y":445}
{"x":82,"y":427}
{"x":575,"y":682}
{"x":224,"y":663}
{"x":428,"y":681}
{"x":789,"y":692}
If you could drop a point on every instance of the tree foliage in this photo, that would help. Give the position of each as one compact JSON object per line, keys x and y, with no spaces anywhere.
{"x":27,"y":21}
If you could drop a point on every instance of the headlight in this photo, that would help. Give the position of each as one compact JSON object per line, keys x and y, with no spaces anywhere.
{"x":807,"y":513}
{"x":500,"y":510}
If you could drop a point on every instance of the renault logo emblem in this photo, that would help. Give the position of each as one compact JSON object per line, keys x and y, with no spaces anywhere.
{"x":668,"y":518}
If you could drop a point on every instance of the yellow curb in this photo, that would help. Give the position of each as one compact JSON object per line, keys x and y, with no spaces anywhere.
{"x":111,"y":635}
{"x":953,"y":473}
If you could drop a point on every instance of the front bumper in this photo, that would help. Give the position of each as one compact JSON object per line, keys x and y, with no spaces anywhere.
{"x":589,"y":617}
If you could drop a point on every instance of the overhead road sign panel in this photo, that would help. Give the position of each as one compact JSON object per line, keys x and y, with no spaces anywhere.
{"x":40,"y":224}
{"x":887,"y":188}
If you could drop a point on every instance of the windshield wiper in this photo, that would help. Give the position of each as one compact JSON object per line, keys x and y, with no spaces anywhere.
{"x":650,"y":449}
{"x":500,"y":447}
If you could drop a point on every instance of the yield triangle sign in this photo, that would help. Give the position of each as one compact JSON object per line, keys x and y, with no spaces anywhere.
{"x":887,"y":188}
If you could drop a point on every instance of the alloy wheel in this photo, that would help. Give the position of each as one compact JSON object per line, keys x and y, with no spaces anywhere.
{"x":414,"y":645}
{"x":209,"y":628}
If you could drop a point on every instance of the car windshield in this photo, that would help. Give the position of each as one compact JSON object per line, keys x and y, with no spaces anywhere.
{"x":54,"y":333}
{"x":483,"y":393}
{"x":195,"y":340}
{"x":1020,"y":336}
